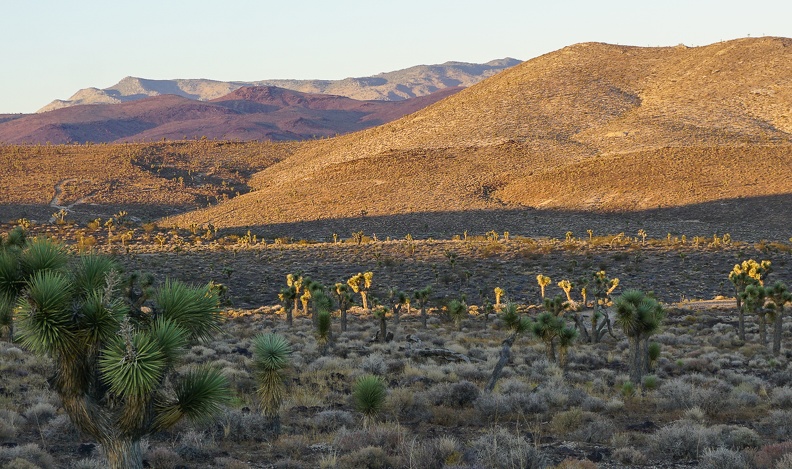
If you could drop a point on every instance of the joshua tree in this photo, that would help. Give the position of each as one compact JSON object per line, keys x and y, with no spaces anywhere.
{"x":640,"y":316}
{"x":457,"y":310}
{"x":344,"y":298}
{"x":600,"y":322}
{"x":381,"y":313}
{"x":746,"y":273}
{"x":115,"y":363}
{"x":567,"y":286}
{"x":499,"y":292}
{"x":779,"y":296}
{"x":555,"y":305}
{"x":397,"y":301}
{"x":404,"y":303}
{"x":271,"y":355}
{"x":517,"y":324}
{"x":294,"y":282}
{"x":287,"y":297}
{"x":361,"y":283}
{"x":753,"y":300}
{"x":422,"y":298}
{"x":324,"y":330}
{"x":566,"y":338}
{"x":543,"y":281}
{"x":548,"y":327}
{"x":20,"y":260}
{"x":368,"y":396}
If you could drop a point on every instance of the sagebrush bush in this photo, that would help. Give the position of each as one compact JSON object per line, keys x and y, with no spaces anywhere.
{"x":30,"y":453}
{"x":163,"y":458}
{"x":630,"y":456}
{"x":722,"y":458}
{"x":374,"y":364}
{"x":460,"y":394}
{"x":686,"y":440}
{"x":332,"y":420}
{"x":502,"y":448}
{"x":782,"y":397}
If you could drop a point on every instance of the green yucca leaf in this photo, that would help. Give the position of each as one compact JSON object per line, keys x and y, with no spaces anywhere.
{"x":567,"y":336}
{"x":43,"y":254}
{"x":199,"y":395}
{"x":44,"y":315}
{"x":11,"y":280}
{"x":98,"y":320}
{"x":6,"y":311}
{"x":368,"y":395}
{"x":132,"y":369}
{"x":91,"y":273}
{"x":171,"y":337}
{"x":195,"y":309}
{"x":271,"y":352}
{"x":16,"y":237}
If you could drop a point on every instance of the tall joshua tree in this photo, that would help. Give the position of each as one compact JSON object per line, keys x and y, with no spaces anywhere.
{"x":543,"y":282}
{"x":116,"y":365}
{"x":517,"y":325}
{"x":361,"y":283}
{"x":422,"y":297}
{"x":603,"y":286}
{"x":640,"y":316}
{"x":344,"y":298}
{"x":779,"y":296}
{"x":753,"y":302}
{"x":746,"y":273}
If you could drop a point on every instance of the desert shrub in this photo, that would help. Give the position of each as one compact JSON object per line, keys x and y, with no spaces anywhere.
{"x":239,"y":426}
{"x":742,"y":437}
{"x":332,"y":420}
{"x":593,"y":404}
{"x":686,"y":440}
{"x":30,"y":453}
{"x":629,"y":456}
{"x":88,"y":463}
{"x":679,"y":394}
{"x":776,"y":423}
{"x":407,"y":406}
{"x":722,"y":458}
{"x":785,"y":462}
{"x":567,"y":421}
{"x":503,"y":449}
{"x":436,"y":453}
{"x":61,"y":428}
{"x":492,"y":407}
{"x":571,"y":463}
{"x":374,"y":364}
{"x":767,"y":456}
{"x":163,"y":458}
{"x":7,"y":430}
{"x":458,"y":394}
{"x":369,"y":457}
{"x":40,"y":413}
{"x":782,"y":397}
{"x":598,"y":430}
{"x":385,"y":436}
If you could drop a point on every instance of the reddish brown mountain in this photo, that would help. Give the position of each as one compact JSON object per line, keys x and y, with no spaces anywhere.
{"x":253,"y":113}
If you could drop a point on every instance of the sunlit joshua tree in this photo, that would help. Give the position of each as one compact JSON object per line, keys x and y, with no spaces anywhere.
{"x":344,"y":298}
{"x":499,"y":292}
{"x":746,"y":273}
{"x":361,"y":283}
{"x":543,"y":282}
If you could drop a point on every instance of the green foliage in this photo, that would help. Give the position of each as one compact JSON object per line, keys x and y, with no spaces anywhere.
{"x":198,"y":394}
{"x":654,"y":351}
{"x":368,"y":395}
{"x":515,"y":322}
{"x":271,"y":357}
{"x":196,"y":309}
{"x":43,"y":254}
{"x":132,"y":364}
{"x":45,"y":317}
{"x":91,"y":273}
{"x":457,"y":310}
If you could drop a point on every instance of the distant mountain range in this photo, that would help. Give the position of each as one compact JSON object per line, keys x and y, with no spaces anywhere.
{"x":249,"y":113}
{"x":412,"y":82}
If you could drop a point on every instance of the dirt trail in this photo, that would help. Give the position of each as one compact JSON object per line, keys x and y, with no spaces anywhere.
{"x":56,"y":199}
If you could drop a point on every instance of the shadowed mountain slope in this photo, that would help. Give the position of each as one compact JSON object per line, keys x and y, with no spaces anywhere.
{"x":412,"y":82}
{"x":591,"y":127}
{"x":252,"y":113}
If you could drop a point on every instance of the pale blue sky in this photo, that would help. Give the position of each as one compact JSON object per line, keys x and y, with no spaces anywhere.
{"x":51,"y":48}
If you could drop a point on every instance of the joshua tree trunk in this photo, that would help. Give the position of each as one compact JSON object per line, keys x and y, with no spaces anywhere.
{"x":645,"y":356}
{"x":636,"y":363}
{"x":123,"y":454}
{"x":383,"y":328}
{"x":777,"y":329}
{"x":505,"y":356}
{"x":562,"y":356}
{"x":741,"y":324}
{"x":582,"y":328}
{"x":289,"y":317}
{"x":396,"y":311}
{"x":550,"y":350}
{"x":343,"y":319}
{"x":423,"y":316}
{"x":296,"y":307}
{"x":594,"y":331}
{"x":762,"y":327}
{"x":364,"y":297}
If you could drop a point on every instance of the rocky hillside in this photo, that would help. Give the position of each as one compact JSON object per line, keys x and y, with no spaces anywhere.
{"x":589,"y":128}
{"x":412,"y":82}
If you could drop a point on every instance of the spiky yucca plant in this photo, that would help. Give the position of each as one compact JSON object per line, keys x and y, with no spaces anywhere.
{"x":422,"y":297}
{"x":344,"y":298}
{"x":115,"y":364}
{"x":368,"y":396}
{"x":457,"y":310}
{"x":271,"y":360}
